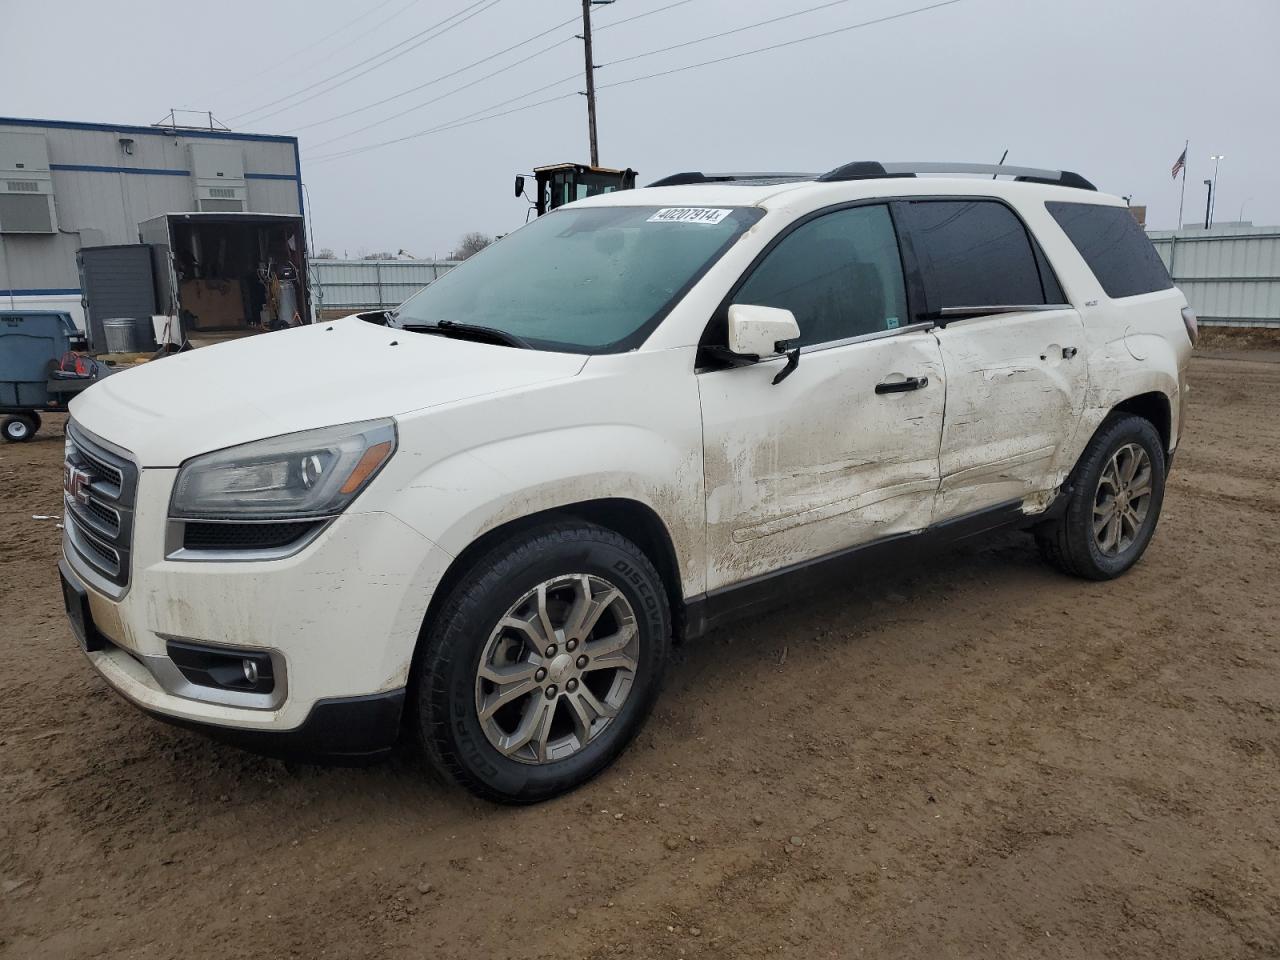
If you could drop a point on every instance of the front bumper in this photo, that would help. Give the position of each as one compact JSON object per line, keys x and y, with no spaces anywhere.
{"x":339,"y":620}
{"x":342,"y":730}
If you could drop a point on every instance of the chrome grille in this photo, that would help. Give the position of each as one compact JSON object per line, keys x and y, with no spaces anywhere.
{"x":99,"y":489}
{"x":108,"y":471}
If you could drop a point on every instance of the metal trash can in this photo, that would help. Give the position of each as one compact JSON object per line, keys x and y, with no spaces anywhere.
{"x":121,"y":334}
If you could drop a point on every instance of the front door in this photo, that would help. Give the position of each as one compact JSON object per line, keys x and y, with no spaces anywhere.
{"x":1012,"y":349}
{"x":845,"y":449}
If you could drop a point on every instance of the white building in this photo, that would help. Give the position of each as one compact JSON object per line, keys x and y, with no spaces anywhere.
{"x":66,"y":185}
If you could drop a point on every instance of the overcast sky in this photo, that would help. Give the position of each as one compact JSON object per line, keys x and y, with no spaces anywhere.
{"x":1109,"y":88}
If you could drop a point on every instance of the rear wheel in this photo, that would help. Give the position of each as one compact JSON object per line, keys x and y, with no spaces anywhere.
{"x":20,"y":428}
{"x":1114,"y":503}
{"x":543,"y":663}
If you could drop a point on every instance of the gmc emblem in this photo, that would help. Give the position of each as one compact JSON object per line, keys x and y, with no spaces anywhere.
{"x":76,"y":482}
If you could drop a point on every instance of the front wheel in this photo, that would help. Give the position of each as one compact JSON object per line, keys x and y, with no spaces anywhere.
{"x":20,"y":428}
{"x":543,"y":663}
{"x":1113,"y":505}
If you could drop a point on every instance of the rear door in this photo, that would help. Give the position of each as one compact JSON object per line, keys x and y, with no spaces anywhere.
{"x":844,"y":450}
{"x":1012,"y":349}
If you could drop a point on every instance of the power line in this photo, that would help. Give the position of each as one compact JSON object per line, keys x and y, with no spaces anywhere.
{"x":476,"y":116}
{"x":723,"y":33}
{"x":638,"y":56}
{"x":465,"y":120}
{"x":444,"y":76}
{"x":449,"y":93}
{"x":288,"y":60}
{"x":457,"y":18}
{"x":463,"y":69}
{"x":785,"y":43}
{"x":441,"y":27}
{"x":640,"y":16}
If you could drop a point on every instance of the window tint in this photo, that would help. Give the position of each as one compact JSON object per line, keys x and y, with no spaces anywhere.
{"x":1114,"y":247}
{"x":1048,"y":279}
{"x":840,"y":274}
{"x":975,"y":253}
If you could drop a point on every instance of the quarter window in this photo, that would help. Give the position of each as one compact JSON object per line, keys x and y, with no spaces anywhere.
{"x":840,"y":274}
{"x":1114,"y":246}
{"x":976,"y":253}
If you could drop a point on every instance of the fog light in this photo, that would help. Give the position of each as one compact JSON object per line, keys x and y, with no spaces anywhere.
{"x":226,"y":669}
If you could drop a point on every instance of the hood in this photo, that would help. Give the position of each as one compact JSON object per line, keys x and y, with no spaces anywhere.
{"x":331,"y":372}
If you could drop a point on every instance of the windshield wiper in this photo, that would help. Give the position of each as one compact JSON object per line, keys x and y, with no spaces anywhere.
{"x":469,"y":331}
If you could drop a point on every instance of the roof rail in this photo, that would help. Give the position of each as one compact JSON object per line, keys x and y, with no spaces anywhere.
{"x":872,"y":169}
{"x":676,"y":179}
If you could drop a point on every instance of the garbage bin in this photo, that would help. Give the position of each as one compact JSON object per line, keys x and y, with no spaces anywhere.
{"x":121,"y":334}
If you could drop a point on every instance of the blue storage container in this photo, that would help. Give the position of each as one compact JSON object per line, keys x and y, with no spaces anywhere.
{"x":29,"y":340}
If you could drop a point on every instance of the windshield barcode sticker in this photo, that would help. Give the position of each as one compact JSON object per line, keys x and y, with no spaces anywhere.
{"x":689,"y":215}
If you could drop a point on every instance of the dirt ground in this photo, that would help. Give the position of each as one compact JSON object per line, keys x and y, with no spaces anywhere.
{"x":975,"y":757}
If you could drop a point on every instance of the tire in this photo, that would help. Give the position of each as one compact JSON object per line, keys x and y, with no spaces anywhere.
{"x":569,"y":572}
{"x":20,"y":428}
{"x":1072,"y":542}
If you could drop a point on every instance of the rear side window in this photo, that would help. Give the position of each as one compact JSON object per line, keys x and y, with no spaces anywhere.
{"x":1114,"y":247}
{"x":976,"y":253}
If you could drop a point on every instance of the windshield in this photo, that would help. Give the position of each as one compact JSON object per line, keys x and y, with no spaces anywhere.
{"x":592,"y":280}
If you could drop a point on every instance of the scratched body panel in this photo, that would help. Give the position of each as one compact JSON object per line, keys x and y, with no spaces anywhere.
{"x":820,"y":460}
{"x":1016,"y":388}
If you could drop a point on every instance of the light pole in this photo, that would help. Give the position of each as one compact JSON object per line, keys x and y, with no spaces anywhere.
{"x":1216,"y":158}
{"x":1208,"y":202}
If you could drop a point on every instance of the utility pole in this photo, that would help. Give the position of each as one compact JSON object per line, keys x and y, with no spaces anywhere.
{"x":1208,"y":202}
{"x":591,"y":82}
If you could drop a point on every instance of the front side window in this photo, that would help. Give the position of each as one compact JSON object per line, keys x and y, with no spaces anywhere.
{"x":592,"y":280}
{"x":1120,"y":255}
{"x":840,"y":274}
{"x":975,"y":253}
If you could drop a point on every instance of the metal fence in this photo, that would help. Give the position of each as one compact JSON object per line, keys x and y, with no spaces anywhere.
{"x":347,"y":286}
{"x":1231,"y":275}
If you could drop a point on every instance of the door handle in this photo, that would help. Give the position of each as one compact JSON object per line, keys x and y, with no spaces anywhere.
{"x":902,"y":386}
{"x":1069,"y":352}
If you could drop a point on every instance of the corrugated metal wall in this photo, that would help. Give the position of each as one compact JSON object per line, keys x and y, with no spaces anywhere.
{"x":107,"y":178}
{"x":350,"y":285}
{"x":1231,"y":275}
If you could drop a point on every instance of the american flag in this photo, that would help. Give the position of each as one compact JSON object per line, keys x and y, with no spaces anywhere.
{"x":1179,"y":163}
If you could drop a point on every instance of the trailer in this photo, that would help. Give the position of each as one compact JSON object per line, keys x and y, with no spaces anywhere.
{"x":32,"y":381}
{"x":222,"y":275}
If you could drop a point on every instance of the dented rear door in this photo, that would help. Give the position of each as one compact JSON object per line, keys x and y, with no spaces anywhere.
{"x":1015,"y":391}
{"x":1011,"y":345}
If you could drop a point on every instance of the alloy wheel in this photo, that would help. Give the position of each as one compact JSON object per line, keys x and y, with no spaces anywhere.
{"x":557,"y":668}
{"x":1123,"y":499}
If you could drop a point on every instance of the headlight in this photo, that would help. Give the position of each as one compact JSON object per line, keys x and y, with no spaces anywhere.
{"x":315,"y":473}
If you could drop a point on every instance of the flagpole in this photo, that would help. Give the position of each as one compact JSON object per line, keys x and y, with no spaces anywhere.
{"x":1186,"y":147}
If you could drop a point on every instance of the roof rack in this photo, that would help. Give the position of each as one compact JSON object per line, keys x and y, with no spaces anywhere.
{"x":677,"y":179}
{"x":872,"y":170}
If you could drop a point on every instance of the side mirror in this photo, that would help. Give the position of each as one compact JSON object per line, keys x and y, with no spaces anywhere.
{"x":757,"y":331}
{"x":519,"y":185}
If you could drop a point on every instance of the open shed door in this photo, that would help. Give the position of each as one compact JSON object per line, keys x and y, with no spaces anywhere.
{"x":117,"y":281}
{"x":155,"y":233}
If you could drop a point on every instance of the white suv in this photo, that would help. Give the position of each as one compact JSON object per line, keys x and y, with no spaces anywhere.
{"x":483,"y":518}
